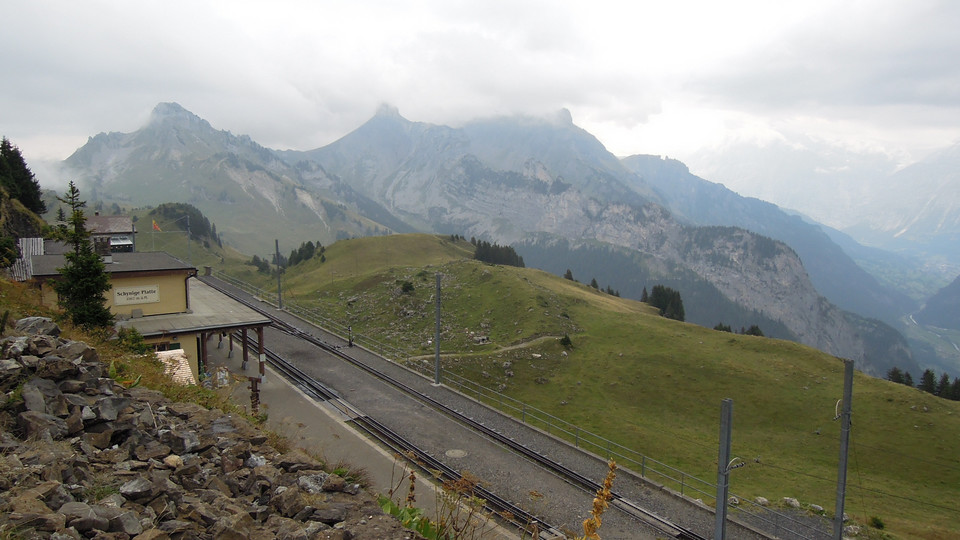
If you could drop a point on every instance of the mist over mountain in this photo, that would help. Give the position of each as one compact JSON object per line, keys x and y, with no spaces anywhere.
{"x":913,"y":210}
{"x":917,"y":209}
{"x":246,"y":189}
{"x":832,"y":271}
{"x":521,"y":179}
{"x":512,"y":179}
{"x":942,"y":310}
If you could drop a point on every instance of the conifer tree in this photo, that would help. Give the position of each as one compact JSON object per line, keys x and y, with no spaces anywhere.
{"x":9,"y":252}
{"x":19,"y":180}
{"x":943,"y":387}
{"x":754,"y":330}
{"x":928,"y":382}
{"x":83,"y":279}
{"x":895,"y":375}
{"x":668,"y":301}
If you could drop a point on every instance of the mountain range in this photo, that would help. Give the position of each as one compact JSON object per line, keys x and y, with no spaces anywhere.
{"x":867,"y":194}
{"x":543,"y":184}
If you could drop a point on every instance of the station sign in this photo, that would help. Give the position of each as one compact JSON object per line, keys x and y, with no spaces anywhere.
{"x":142,"y":294}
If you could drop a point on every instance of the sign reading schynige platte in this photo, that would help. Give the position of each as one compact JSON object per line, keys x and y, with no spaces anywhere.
{"x":143,"y":294}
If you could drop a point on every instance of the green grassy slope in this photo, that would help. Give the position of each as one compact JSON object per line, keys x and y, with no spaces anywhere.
{"x":648,"y":383}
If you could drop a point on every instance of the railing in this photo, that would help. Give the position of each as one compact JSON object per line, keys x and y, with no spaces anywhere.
{"x":645,"y":466}
{"x":256,"y":292}
{"x":776,"y":523}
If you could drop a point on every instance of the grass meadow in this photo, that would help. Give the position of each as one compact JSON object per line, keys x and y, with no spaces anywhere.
{"x":650,"y":384}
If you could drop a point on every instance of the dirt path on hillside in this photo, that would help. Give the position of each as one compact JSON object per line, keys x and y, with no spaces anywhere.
{"x":515,"y":346}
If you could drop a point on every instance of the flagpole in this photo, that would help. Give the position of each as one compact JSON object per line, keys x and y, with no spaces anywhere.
{"x":153,"y":232}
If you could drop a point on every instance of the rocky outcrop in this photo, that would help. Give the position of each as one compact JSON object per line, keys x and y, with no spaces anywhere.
{"x":81,"y":456}
{"x":15,"y":220}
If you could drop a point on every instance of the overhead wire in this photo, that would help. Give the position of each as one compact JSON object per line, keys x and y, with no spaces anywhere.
{"x":870,"y":490}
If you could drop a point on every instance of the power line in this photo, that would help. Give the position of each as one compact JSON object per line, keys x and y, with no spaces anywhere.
{"x":949,"y":465}
{"x":871,"y":490}
{"x":792,"y":471}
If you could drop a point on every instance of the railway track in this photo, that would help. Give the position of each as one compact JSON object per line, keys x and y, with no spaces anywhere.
{"x":505,"y":510}
{"x":383,"y":434}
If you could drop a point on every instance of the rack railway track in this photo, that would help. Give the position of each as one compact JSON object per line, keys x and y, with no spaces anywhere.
{"x":512,"y":513}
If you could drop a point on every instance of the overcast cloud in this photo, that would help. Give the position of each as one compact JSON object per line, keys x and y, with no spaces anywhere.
{"x":661,"y":79}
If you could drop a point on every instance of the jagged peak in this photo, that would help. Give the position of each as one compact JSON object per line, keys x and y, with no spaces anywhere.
{"x":388,"y":110}
{"x":167,"y":110}
{"x":175,"y":113}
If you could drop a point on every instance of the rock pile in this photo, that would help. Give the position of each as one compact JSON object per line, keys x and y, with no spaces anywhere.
{"x":81,"y":456}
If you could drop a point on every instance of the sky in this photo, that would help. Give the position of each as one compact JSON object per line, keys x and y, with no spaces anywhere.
{"x":667,"y":78}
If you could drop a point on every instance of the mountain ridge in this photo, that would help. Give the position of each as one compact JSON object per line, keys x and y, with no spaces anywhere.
{"x":833,"y":272}
{"x":502,"y":179}
{"x":866,"y":193}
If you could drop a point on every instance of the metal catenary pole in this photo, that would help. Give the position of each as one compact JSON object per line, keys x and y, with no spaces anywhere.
{"x":723,"y":468}
{"x":844,"y":447}
{"x":279,"y":269}
{"x":436,"y":340}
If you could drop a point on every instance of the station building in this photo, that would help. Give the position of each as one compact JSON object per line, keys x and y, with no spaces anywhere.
{"x":163,"y":299}
{"x":118,"y":232}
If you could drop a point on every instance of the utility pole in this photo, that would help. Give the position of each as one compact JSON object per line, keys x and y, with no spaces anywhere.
{"x":723,"y":468}
{"x":436,"y":340}
{"x":279,"y":269}
{"x":844,"y":446}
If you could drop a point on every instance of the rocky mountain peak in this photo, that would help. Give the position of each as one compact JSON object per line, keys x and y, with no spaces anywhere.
{"x":563,"y":116}
{"x":388,"y":110}
{"x":174,"y":114}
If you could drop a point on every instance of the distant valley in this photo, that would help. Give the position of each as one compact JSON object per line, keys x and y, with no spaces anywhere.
{"x":913,"y":210}
{"x":542,"y":184}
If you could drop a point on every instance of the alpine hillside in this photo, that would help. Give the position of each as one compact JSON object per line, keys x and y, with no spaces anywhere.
{"x":505,"y":179}
{"x":521,"y":178}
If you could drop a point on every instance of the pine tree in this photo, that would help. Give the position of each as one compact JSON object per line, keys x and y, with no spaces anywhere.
{"x":19,"y":180}
{"x":568,"y":275}
{"x":908,"y":379}
{"x":9,"y":252}
{"x":754,"y":330}
{"x":668,"y":301}
{"x":943,"y":387}
{"x":928,"y":382}
{"x":83,"y":280}
{"x":895,"y":375}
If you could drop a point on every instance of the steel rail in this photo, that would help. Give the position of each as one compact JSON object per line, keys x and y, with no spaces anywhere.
{"x":503,"y":509}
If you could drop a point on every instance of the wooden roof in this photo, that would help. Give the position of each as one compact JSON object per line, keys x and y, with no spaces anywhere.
{"x":99,"y":225}
{"x":47,"y":265}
